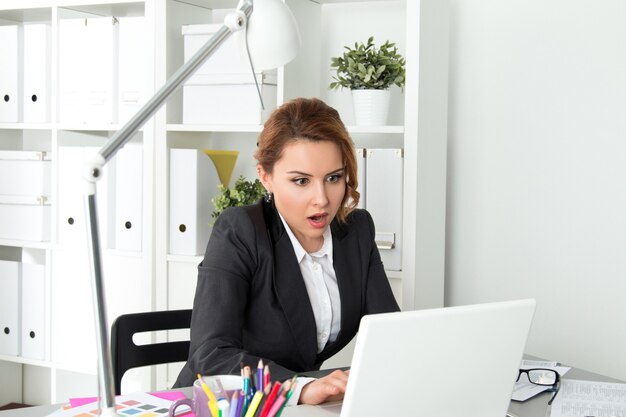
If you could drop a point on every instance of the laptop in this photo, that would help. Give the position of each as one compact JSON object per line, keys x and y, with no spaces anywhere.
{"x":444,"y":362}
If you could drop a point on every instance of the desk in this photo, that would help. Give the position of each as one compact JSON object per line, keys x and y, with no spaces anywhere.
{"x":534,"y":407}
{"x":538,"y":405}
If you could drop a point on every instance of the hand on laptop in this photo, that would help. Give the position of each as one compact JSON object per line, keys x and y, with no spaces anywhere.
{"x":332,"y":387}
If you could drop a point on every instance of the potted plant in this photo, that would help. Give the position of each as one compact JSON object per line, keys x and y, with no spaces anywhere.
{"x":243,"y":193}
{"x":369,"y":72}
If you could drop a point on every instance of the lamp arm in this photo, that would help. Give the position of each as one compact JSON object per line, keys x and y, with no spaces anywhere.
{"x":233,"y":22}
{"x":92,"y":172}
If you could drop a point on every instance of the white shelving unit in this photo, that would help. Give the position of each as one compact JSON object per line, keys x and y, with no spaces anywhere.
{"x":154,"y":279}
{"x":68,"y":368}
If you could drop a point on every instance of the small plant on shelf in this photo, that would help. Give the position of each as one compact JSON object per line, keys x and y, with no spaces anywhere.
{"x":243,"y":193}
{"x":366,"y":67}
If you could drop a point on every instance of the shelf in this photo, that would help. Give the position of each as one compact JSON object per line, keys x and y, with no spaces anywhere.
{"x":346,"y":1}
{"x":122,"y":253}
{"x":185,"y":258}
{"x":397,"y":129}
{"x":198,"y":258}
{"x":39,"y":10}
{"x":26,"y":126}
{"x":25,"y":244}
{"x":32,"y":14}
{"x":376,"y":129}
{"x":394,"y":274}
{"x":214,"y":4}
{"x":213,"y":128}
{"x":25,"y":361}
{"x":167,"y":280}
{"x":96,"y":8}
{"x":76,"y":127}
{"x":47,"y":364}
{"x":71,"y":127}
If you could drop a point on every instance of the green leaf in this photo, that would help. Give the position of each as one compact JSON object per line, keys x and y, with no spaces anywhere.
{"x":365,"y":66}
{"x":244,"y":192}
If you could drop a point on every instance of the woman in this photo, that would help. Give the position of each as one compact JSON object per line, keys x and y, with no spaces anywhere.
{"x":288,"y":279}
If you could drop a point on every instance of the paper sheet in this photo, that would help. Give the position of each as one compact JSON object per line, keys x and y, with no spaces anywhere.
{"x":138,"y":404}
{"x":166,"y":395}
{"x":524,"y":389}
{"x":589,"y":399}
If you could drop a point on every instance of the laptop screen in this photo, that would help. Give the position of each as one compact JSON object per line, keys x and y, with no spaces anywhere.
{"x":445,"y":362}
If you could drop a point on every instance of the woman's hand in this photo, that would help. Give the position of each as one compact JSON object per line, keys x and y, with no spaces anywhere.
{"x":332,"y":387}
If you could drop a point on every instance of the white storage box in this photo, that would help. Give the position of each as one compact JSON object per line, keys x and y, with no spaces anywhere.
{"x":228,"y":99}
{"x":225,"y":60}
{"x":24,"y":218}
{"x":222,"y":91}
{"x":28,"y":171}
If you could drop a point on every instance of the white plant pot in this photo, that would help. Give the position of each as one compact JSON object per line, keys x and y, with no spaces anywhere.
{"x":371,"y":107}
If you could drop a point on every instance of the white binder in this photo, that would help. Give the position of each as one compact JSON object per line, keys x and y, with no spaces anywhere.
{"x":71,"y":308}
{"x":9,"y":308}
{"x":193,"y":183}
{"x":10,"y":73}
{"x":105,"y":199}
{"x":100,"y":65}
{"x":72,"y":76}
{"x":132,"y":82}
{"x":37,"y":55}
{"x":29,"y":172}
{"x":33,"y":311}
{"x":72,"y":220}
{"x":361,"y":161}
{"x":128,"y":197}
{"x":384,"y":178}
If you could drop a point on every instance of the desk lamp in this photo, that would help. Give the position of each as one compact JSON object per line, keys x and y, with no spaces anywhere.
{"x":267,"y":30}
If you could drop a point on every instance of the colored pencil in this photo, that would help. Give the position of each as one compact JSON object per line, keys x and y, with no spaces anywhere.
{"x":240,"y":405}
{"x":270,"y":399}
{"x":292,"y":386}
{"x":259,"y":409}
{"x":247,"y":383}
{"x":212,"y":403}
{"x":280,"y":401}
{"x":259,"y":375}
{"x":266,"y":375}
{"x":234,"y":403}
{"x":254,"y":403}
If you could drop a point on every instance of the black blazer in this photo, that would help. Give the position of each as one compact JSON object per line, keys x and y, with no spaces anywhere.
{"x":251,"y":301}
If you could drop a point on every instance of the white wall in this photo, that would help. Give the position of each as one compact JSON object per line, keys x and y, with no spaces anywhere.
{"x":537,"y":170}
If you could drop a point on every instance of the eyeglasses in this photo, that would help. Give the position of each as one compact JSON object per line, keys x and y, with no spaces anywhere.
{"x":543,"y":377}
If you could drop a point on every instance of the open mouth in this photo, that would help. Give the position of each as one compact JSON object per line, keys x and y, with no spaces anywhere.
{"x":318,"y":218}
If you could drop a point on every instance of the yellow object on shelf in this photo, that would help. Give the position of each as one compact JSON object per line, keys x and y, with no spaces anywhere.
{"x":224,"y":162}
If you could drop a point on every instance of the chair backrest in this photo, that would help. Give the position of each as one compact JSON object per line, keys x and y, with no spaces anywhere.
{"x":127,"y":355}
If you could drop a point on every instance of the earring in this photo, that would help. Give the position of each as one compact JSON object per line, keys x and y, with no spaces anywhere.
{"x":269,"y":197}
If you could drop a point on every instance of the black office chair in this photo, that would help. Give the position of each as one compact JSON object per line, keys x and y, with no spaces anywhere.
{"x":125,"y":354}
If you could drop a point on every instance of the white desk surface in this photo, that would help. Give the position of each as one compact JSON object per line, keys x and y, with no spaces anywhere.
{"x":534,"y":407}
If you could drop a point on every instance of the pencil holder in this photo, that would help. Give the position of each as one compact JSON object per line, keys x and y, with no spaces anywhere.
{"x":222,"y":387}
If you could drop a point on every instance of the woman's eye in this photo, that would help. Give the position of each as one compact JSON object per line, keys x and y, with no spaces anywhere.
{"x":334,"y":178}
{"x":300,"y":181}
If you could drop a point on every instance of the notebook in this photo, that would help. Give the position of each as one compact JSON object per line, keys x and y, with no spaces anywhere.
{"x":445,"y":362}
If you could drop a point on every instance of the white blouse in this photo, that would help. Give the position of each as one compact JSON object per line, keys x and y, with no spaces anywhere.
{"x":321,"y":285}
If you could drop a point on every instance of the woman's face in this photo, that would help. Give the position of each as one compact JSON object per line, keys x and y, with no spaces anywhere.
{"x":308,"y":183}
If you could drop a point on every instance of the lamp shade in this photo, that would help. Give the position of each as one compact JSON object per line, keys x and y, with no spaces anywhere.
{"x":272,"y":35}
